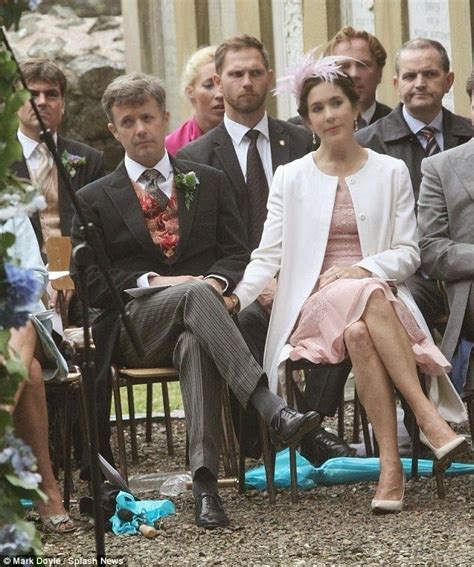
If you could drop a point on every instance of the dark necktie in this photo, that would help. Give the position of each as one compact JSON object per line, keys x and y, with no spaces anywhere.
{"x":152,"y":178}
{"x":432,"y":147}
{"x":257,"y":188}
{"x":361,"y":123}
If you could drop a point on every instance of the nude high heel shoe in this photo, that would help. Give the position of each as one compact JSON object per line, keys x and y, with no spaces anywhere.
{"x":388,"y":506}
{"x":444,"y":456}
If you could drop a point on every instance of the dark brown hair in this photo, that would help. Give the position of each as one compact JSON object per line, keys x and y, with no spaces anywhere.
{"x":237,"y":43}
{"x":345,"y":83}
{"x":43,"y":70}
{"x":133,"y":89}
{"x":348,"y":33}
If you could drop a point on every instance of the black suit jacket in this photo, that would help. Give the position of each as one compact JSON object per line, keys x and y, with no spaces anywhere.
{"x":211,"y":240}
{"x":288,"y":142}
{"x":90,"y":171}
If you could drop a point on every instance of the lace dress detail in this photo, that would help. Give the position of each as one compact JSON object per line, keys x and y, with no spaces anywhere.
{"x":319,"y":332}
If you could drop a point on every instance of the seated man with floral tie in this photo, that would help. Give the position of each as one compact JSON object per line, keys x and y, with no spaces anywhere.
{"x":173,"y":225}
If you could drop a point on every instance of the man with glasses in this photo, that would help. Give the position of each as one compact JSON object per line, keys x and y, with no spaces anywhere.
{"x":47,"y":84}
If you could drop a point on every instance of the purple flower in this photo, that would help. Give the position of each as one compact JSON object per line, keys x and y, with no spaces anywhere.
{"x":19,"y":457}
{"x":13,"y":540}
{"x":19,"y":290}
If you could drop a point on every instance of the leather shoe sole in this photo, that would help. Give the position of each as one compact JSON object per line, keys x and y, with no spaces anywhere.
{"x":209,"y":512}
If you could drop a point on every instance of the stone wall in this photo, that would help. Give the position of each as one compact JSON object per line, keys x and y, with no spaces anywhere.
{"x":90,"y":50}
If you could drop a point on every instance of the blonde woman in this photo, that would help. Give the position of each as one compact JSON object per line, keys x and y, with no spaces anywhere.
{"x":198,"y":86}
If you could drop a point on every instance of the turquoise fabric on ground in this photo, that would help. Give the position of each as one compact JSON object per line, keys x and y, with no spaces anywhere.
{"x":337,"y":471}
{"x":144,"y":512}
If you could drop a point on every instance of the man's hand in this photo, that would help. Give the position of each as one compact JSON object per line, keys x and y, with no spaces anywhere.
{"x":340,"y":272}
{"x":218,"y":285}
{"x":171,"y":280}
{"x":54,"y":299}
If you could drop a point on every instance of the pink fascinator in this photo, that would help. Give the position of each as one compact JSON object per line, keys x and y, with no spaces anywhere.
{"x":328,"y":68}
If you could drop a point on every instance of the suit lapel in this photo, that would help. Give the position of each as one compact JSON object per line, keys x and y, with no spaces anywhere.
{"x":279,"y":143}
{"x":225,"y":153}
{"x":123,"y":197}
{"x":186,"y":217}
{"x":462,"y":166}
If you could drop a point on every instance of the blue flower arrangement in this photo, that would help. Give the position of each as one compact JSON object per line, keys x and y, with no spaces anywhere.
{"x":18,"y":289}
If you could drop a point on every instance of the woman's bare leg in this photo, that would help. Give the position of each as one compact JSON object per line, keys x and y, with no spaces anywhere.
{"x":376,"y":394}
{"x":394,"y":350}
{"x":31,"y":419}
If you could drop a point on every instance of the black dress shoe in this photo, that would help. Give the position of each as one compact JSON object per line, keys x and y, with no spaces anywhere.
{"x":319,"y":445}
{"x":209,"y":512}
{"x":288,"y":426}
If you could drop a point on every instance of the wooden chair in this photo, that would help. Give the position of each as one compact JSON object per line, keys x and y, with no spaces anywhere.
{"x":130,"y":377}
{"x":70,"y":392}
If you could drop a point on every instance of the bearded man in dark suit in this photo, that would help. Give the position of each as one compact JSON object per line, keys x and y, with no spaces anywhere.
{"x":47,"y":84}
{"x":248,"y":146}
{"x":172,"y":226}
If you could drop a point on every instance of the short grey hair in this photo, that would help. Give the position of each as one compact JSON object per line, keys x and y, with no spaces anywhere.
{"x":133,"y":89}
{"x":423,"y":43}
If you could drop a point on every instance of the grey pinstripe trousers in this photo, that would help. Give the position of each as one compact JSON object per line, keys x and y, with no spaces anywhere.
{"x":188,"y":325}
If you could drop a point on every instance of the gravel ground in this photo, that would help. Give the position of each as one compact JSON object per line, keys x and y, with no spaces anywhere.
{"x":329,"y":526}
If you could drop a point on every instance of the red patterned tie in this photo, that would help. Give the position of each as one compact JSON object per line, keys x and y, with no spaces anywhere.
{"x":431,"y":144}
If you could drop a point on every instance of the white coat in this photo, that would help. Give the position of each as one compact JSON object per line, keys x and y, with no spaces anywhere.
{"x":294,"y":240}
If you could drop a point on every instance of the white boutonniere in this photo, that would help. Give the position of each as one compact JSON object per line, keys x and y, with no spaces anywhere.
{"x":71,"y":162}
{"x":188,"y":183}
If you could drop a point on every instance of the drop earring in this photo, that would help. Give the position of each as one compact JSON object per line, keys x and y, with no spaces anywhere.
{"x":356,"y":125}
{"x":314,"y":137}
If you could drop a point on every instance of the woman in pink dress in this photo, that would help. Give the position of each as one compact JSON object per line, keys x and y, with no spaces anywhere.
{"x":198,"y":86}
{"x":340,"y":235}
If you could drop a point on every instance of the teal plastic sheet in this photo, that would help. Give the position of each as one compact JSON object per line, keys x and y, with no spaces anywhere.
{"x":337,"y":471}
{"x":144,"y":512}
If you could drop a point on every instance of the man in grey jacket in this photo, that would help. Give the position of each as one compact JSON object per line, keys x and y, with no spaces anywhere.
{"x":419,"y":127}
{"x":445,"y":213}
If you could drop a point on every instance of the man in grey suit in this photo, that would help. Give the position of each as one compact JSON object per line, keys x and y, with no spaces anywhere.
{"x":172,"y":227}
{"x":445,"y":216}
{"x":420,"y":126}
{"x":244,"y":76}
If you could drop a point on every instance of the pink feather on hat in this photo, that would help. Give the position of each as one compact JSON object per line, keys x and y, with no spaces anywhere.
{"x":328,"y":68}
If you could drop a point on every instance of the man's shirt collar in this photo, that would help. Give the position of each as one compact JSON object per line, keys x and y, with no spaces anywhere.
{"x":416,"y":125}
{"x":237,"y":131}
{"x":29,"y":145}
{"x":135,"y":169}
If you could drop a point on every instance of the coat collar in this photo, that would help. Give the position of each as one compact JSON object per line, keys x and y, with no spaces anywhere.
{"x":395,"y":127}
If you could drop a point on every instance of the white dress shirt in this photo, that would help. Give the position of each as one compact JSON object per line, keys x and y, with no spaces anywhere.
{"x":135,"y":171}
{"x":416,"y":125}
{"x":29,"y":147}
{"x":241,"y":144}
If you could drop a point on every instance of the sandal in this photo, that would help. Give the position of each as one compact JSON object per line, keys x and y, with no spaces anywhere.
{"x":58,"y":524}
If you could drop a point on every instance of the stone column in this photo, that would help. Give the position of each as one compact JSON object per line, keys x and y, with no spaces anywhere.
{"x":160,"y":35}
{"x":392,"y":30}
